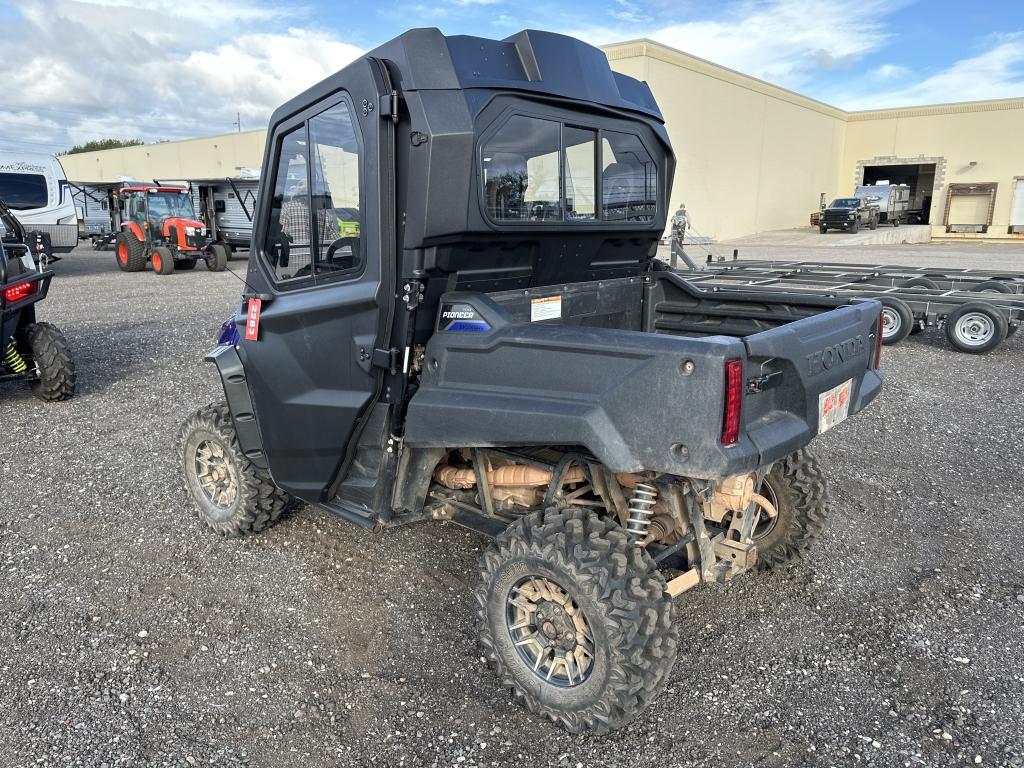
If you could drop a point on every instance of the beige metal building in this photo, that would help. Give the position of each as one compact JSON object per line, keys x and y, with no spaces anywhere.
{"x":751,"y":156}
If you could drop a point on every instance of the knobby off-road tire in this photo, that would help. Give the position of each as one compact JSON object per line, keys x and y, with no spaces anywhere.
{"x":256,"y":503}
{"x":796,"y":485}
{"x":621,"y":595}
{"x":52,"y":357}
{"x":129,"y":252}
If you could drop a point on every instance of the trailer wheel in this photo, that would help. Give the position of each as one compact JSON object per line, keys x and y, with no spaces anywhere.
{"x":796,"y":486}
{"x":921,"y":282}
{"x":874,"y":223}
{"x":575,"y":620}
{"x":976,"y":327}
{"x":897,"y":320}
{"x":992,"y":286}
{"x":217,"y":258}
{"x":162,"y":260}
{"x":895,"y":222}
{"x":233,"y":497}
{"x":52,"y":358}
{"x":130,"y":253}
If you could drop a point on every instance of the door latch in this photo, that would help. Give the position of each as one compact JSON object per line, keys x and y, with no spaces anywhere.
{"x":766,"y":381}
{"x":386,"y":359}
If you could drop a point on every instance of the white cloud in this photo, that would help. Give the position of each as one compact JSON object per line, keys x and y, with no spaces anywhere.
{"x":783,"y":41}
{"x":76,"y":70}
{"x":997,"y":73}
{"x":890,"y":71}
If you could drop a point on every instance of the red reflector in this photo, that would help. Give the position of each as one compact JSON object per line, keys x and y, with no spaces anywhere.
{"x":733,"y":402}
{"x":878,"y":344}
{"x":19,"y":291}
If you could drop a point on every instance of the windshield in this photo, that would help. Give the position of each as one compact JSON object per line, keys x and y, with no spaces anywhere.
{"x":23,"y":191}
{"x":845,"y":202}
{"x":167,"y":205}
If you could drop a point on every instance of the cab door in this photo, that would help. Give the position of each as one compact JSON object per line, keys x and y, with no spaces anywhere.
{"x":317,"y":266}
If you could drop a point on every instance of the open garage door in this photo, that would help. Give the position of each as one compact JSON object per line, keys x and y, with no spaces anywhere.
{"x":920,"y":177}
{"x":1017,"y":209}
{"x":969,"y":207}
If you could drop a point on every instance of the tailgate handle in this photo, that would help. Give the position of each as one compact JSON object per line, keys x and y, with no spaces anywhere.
{"x":761,"y":383}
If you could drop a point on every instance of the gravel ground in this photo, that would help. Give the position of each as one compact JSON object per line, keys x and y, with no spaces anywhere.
{"x":131,"y":636}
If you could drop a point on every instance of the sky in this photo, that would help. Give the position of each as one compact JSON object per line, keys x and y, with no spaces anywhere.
{"x":78,"y":70}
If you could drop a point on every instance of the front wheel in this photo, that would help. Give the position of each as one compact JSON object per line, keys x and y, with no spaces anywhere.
{"x":233,"y":496}
{"x":162,"y":260}
{"x":217,"y":258}
{"x":575,"y":619}
{"x":52,"y":358}
{"x":822,"y":229}
{"x":796,"y":486}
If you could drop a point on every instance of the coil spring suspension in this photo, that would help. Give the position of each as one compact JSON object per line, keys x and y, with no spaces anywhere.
{"x":13,"y":360}
{"x":640,"y":506}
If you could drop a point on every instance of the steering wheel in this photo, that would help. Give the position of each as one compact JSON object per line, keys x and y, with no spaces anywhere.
{"x":351,"y":242}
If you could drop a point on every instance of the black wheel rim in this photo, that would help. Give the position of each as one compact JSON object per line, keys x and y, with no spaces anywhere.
{"x":550,"y":632}
{"x":766,"y":523}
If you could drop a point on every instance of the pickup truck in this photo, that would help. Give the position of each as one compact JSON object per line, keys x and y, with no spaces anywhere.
{"x":496,"y":345}
{"x":848,"y":214}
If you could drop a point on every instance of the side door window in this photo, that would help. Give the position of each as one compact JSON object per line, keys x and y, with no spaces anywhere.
{"x":288,"y":245}
{"x":335,"y":172}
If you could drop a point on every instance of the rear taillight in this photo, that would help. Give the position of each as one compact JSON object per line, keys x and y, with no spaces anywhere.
{"x":878,"y":343}
{"x":733,"y":402}
{"x":19,"y":291}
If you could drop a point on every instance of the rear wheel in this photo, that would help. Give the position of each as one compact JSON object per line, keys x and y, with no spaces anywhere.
{"x":233,"y":496}
{"x":575,"y":619}
{"x":976,"y":327}
{"x":796,"y":486}
{"x":130,"y":253}
{"x":53,"y":361}
{"x":162,"y":260}
{"x":897,"y":320}
{"x":874,"y":222}
{"x":217,"y":258}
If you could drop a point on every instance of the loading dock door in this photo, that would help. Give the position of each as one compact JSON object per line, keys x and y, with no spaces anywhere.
{"x":968,"y":210}
{"x":1017,"y":207}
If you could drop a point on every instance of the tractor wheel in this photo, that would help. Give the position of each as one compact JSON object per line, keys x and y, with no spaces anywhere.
{"x":217,"y":258}
{"x":976,"y":327}
{"x":162,"y":260}
{"x":233,"y":496}
{"x":796,"y":486}
{"x":230,"y":251}
{"x":575,"y":619}
{"x":184,"y":264}
{"x":897,"y":320}
{"x":52,"y":358}
{"x":130,"y":253}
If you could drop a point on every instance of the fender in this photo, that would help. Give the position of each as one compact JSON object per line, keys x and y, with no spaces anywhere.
{"x":135,"y":229}
{"x":236,"y":392}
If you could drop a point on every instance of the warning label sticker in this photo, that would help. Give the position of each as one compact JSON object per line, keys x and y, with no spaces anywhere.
{"x":547,"y":308}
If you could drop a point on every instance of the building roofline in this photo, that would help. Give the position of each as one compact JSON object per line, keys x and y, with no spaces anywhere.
{"x":646,"y":47}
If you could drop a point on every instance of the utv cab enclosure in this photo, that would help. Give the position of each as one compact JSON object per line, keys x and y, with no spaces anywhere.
{"x":454,"y":312}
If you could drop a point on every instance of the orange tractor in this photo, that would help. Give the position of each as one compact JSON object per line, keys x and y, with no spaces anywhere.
{"x":159,"y":225}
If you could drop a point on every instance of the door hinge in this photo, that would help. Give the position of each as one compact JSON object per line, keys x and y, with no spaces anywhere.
{"x":386,"y":359}
{"x":766,"y":381}
{"x":389,"y":106}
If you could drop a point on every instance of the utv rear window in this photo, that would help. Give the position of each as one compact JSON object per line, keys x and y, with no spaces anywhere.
{"x":23,"y":191}
{"x":540,"y":170}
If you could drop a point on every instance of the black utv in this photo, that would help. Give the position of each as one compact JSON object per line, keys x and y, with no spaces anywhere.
{"x":34,"y":351}
{"x":494,"y":343}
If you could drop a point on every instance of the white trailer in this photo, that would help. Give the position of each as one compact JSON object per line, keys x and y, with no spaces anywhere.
{"x":34,"y":187}
{"x":893,"y":201}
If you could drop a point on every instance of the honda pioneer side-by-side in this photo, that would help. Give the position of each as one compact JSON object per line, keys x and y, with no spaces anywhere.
{"x":490,"y":340}
{"x":30,"y":350}
{"x":159,"y":226}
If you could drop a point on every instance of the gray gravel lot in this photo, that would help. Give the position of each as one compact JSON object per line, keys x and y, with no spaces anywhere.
{"x":131,"y":636}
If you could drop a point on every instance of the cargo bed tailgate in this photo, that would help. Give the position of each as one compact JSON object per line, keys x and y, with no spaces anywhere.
{"x":806,"y":376}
